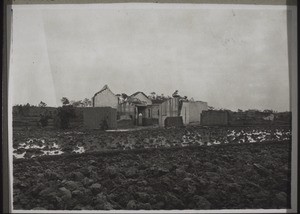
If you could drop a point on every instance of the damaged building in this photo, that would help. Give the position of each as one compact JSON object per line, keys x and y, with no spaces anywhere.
{"x":139,"y":110}
{"x":177,"y":111}
{"x":103,"y":114}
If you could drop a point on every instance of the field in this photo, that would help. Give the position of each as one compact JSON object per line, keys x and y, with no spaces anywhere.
{"x":176,"y":168}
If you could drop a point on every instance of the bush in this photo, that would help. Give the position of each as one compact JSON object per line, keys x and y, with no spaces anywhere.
{"x":64,"y":114}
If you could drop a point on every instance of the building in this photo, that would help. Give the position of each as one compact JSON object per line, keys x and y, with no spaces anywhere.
{"x":140,"y":109}
{"x":104,"y":110}
{"x":169,"y":108}
{"x":190,"y":111}
{"x":105,"y":98}
{"x":142,"y":103}
{"x":153,"y":113}
{"x":93,"y":118}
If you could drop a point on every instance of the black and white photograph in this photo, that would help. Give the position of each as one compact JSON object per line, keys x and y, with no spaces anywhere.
{"x":149,"y":107}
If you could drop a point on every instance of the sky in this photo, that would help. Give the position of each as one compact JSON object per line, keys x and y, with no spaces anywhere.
{"x":230,"y":57}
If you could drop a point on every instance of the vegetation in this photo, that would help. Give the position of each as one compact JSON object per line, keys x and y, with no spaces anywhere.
{"x":42,"y":104}
{"x":81,"y":103}
{"x":65,"y":101}
{"x":65,"y":113}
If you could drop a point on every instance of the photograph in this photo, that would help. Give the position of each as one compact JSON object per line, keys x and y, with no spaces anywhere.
{"x":151,"y":107}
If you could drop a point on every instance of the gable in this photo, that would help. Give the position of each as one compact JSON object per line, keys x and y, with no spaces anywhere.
{"x":105,"y":98}
{"x":142,"y":97}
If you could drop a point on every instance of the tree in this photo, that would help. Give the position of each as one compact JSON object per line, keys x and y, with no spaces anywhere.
{"x":65,"y":101}
{"x":268,"y":111}
{"x":124,"y":96}
{"x":152,"y":95}
{"x":65,"y":113}
{"x":76,"y":103}
{"x":42,"y":104}
{"x":86,"y":102}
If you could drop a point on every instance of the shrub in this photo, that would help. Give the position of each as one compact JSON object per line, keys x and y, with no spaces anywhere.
{"x":64,"y":114}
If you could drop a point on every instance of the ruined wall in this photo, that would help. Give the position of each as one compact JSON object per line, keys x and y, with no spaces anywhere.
{"x":244,"y":118}
{"x":173,"y":122}
{"x":211,"y":118}
{"x":185,"y":111}
{"x":283,"y":118}
{"x":106,"y":99}
{"x":150,"y":121}
{"x":203,"y":106}
{"x":155,"y":111}
{"x":29,"y":117}
{"x":77,"y":121}
{"x":126,"y":109}
{"x":93,"y":117}
{"x":191,"y":111}
{"x":169,"y":108}
{"x":125,"y":124}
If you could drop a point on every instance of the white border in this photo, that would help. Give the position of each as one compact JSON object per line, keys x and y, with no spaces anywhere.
{"x":171,"y":6}
{"x":156,"y":6}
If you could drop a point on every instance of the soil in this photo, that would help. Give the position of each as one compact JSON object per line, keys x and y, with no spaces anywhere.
{"x":38,"y":142}
{"x":226,"y":176}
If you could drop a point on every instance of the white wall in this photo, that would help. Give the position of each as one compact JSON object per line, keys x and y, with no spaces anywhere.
{"x":155,"y":111}
{"x":185,"y":111}
{"x":106,"y":99}
{"x":169,"y":108}
{"x":191,"y":111}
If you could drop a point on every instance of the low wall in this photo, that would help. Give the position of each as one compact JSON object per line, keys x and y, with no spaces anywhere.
{"x":150,"y":121}
{"x":173,"y":122}
{"x":30,"y":116}
{"x":214,"y":118}
{"x":125,"y":124}
{"x":94,"y":117}
{"x":224,"y":118}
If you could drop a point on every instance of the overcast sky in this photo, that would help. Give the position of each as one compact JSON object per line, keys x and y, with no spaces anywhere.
{"x":230,"y":58}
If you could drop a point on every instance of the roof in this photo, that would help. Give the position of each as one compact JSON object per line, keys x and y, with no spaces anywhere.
{"x":103,"y":89}
{"x":134,"y":94}
{"x":134,"y":100}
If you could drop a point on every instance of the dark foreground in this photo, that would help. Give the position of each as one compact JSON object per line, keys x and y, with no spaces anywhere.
{"x":231,"y":176}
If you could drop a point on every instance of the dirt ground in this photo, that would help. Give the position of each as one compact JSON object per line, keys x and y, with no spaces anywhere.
{"x":38,"y":142}
{"x":222,"y":176}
